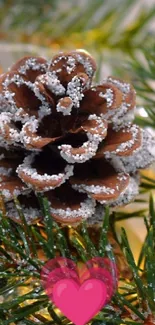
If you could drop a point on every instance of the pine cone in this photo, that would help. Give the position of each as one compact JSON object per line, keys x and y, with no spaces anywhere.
{"x":68,"y":138}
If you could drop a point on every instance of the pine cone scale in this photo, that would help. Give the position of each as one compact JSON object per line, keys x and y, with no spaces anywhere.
{"x":31,"y":67}
{"x":11,"y":186}
{"x":68,"y":65}
{"x":100,"y":181}
{"x":70,"y":205}
{"x":39,"y":180}
{"x":121,"y":143}
{"x":18,"y":94}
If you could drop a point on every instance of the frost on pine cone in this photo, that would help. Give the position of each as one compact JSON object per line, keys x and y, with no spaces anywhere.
{"x":68,"y":138}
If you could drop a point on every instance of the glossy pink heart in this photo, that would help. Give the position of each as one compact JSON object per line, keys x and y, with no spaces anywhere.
{"x":79,"y":293}
{"x":79,"y":303}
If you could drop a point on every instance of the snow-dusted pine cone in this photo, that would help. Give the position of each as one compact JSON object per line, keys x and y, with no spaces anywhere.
{"x":70,"y":139}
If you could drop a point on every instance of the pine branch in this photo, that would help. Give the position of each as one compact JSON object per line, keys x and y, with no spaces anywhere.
{"x":143,"y":72}
{"x":23,"y":271}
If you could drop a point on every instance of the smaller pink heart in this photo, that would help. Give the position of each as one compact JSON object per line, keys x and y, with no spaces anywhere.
{"x":79,"y":303}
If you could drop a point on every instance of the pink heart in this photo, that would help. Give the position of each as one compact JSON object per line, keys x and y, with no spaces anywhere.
{"x":79,"y":303}
{"x":79,"y":292}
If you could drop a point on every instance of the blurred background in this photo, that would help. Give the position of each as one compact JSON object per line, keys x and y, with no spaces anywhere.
{"x":119,"y":33}
{"x":112,"y":30}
